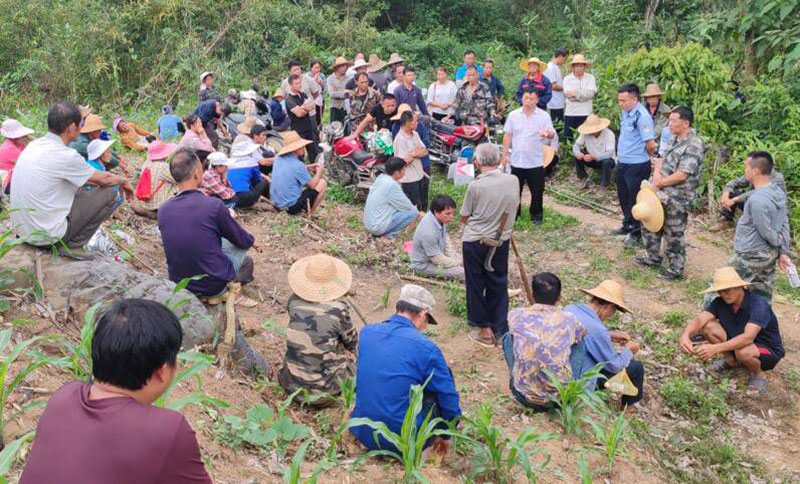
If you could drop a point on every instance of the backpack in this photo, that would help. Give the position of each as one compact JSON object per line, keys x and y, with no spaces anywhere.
{"x":143,"y":190}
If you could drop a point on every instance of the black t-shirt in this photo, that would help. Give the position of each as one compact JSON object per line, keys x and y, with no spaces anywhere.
{"x":304,"y":124}
{"x":382,"y":120}
{"x":755,"y":309}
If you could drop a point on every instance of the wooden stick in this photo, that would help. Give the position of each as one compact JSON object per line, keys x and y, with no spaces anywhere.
{"x":581,"y":201}
{"x":358,"y":311}
{"x":525,"y":283}
{"x":422,"y":279}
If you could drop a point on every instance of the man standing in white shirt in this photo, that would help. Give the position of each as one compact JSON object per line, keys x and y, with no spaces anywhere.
{"x":553,"y":73}
{"x":527,"y":130}
{"x":596,"y":147}
{"x":579,"y":90}
{"x":409,"y":146}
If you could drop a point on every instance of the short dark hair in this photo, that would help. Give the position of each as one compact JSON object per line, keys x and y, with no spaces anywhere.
{"x":388,"y":96}
{"x":685,"y":113}
{"x":404,"y":307}
{"x":182,"y":163}
{"x":410,"y":69}
{"x":393,"y":165}
{"x":631,"y":89}
{"x":488,"y":61}
{"x":546,"y":288}
{"x":469,"y":51}
{"x":761,"y":161}
{"x":406,"y":117}
{"x":132,"y":340}
{"x":313,"y":63}
{"x":442,"y":68}
{"x":226,"y":109}
{"x":294,"y":62}
{"x":531,"y":90}
{"x":257,"y":130}
{"x":189,"y":120}
{"x":442,"y":202}
{"x":561,"y":52}
{"x":359,"y":75}
{"x":472,"y":68}
{"x":293,"y":78}
{"x":61,"y":115}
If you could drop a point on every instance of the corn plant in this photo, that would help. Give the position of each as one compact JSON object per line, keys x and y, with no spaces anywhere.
{"x":610,"y":437}
{"x":496,"y":454}
{"x":411,"y":440}
{"x":347,"y":397}
{"x":78,"y":356}
{"x":585,"y":471}
{"x":9,"y":455}
{"x":292,"y":473}
{"x":193,"y":363}
{"x":574,"y":397}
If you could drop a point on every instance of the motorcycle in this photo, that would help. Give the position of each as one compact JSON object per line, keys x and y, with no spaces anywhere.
{"x":349,"y":163}
{"x":232,"y":120}
{"x":447,"y":140}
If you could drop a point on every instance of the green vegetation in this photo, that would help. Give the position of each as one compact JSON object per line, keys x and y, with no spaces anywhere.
{"x":551,"y":221}
{"x":703,"y":404}
{"x":456,"y":300}
{"x":78,"y":356}
{"x":192,"y":364}
{"x":574,"y":398}
{"x":339,"y":194}
{"x":610,"y":437}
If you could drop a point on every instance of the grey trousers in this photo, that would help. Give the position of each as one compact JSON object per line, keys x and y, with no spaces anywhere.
{"x":89,"y":210}
{"x":438,"y":271}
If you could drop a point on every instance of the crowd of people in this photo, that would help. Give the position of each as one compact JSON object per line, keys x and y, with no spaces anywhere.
{"x":64,"y":185}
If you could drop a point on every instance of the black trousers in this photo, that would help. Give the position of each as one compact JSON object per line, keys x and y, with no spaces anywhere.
{"x":571,"y":123}
{"x":629,"y":180}
{"x":635,"y":371}
{"x":557,"y":115}
{"x":248,"y":199}
{"x":414,"y":192}
{"x":605,"y":166}
{"x":534,"y":178}
{"x":338,"y":114}
{"x":487,"y":292}
{"x":312,"y":148}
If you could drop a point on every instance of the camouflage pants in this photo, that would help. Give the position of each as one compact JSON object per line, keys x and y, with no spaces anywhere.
{"x":757,"y":267}
{"x":676,"y":216}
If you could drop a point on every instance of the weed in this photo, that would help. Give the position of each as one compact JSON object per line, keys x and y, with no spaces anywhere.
{"x":456,"y":300}
{"x":347,"y":397}
{"x":793,"y":379}
{"x":785,"y":289}
{"x":551,"y":221}
{"x":78,"y":357}
{"x":292,"y":474}
{"x":574,"y":397}
{"x":600,"y":264}
{"x":274,"y":326}
{"x":688,"y":398}
{"x":675,"y":317}
{"x":692,"y":287}
{"x":456,"y":327}
{"x":722,"y":462}
{"x":193,"y":363}
{"x":610,"y":437}
{"x":354,"y":222}
{"x":585,"y":471}
{"x":339,"y":194}
{"x":334,"y":249}
{"x":640,"y":278}
{"x":9,"y":454}
{"x":384,"y":302}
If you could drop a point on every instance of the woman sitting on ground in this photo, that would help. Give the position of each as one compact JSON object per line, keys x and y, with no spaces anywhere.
{"x":195,"y":137}
{"x":132,"y":136}
{"x":161,"y":185}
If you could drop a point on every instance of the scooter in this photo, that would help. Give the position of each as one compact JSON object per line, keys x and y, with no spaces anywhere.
{"x":349,"y":163}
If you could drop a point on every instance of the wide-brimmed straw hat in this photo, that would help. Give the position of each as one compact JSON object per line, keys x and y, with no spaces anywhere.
{"x":92,"y":123}
{"x":648,"y":208}
{"x":292,"y":141}
{"x":652,"y":90}
{"x":593,"y":124}
{"x":320,"y":277}
{"x":394,"y":59}
{"x":13,"y":129}
{"x":158,"y":150}
{"x":523,"y":64}
{"x":579,"y":59}
{"x":609,"y":291}
{"x":96,"y":148}
{"x":340,"y":61}
{"x":360,"y":63}
{"x":279,"y":93}
{"x":375,"y":63}
{"x":403,"y":108}
{"x":548,"y":155}
{"x":725,"y":278}
{"x":206,"y":74}
{"x":245,"y":126}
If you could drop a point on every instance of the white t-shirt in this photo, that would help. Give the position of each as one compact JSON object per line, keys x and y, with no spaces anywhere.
{"x":406,"y":143}
{"x":392,"y":86}
{"x":442,"y":94}
{"x":46,"y":178}
{"x":526,"y":144}
{"x":553,"y":74}
{"x":584,"y":90}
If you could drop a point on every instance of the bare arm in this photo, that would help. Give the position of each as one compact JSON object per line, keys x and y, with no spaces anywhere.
{"x":695,"y":326}
{"x":106,"y":179}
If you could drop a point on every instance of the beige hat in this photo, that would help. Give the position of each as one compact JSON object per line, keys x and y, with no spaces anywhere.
{"x":652,"y":90}
{"x":403,"y":108}
{"x":13,"y":129}
{"x":523,"y":64}
{"x":250,"y":94}
{"x":292,"y":141}
{"x":320,"y":277}
{"x":648,"y":208}
{"x":609,"y":291}
{"x":548,"y":155}
{"x":394,"y":59}
{"x":92,"y":123}
{"x":340,"y":61}
{"x":206,"y":74}
{"x":279,"y":93}
{"x":375,"y":63}
{"x":420,"y":297}
{"x":725,"y":278}
{"x":593,"y":124}
{"x":360,"y":63}
{"x":85,"y":110}
{"x":579,"y":59}
{"x":245,"y":126}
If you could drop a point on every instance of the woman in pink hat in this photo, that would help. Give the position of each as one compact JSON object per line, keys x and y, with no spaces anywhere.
{"x":161,"y":186}
{"x":16,"y":137}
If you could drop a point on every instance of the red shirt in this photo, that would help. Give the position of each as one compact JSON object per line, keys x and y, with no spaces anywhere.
{"x":9,"y":152}
{"x":82,"y":441}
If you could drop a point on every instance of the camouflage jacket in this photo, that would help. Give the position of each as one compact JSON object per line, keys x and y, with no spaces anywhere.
{"x":684,"y":155}
{"x":360,"y":106}
{"x":320,"y":346}
{"x":471,"y":107}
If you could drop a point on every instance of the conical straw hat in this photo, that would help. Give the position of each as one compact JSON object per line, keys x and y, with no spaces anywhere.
{"x":648,"y":208}
{"x":593,"y":124}
{"x":320,"y":277}
{"x":579,"y":59}
{"x":725,"y":278}
{"x":652,"y":90}
{"x":610,"y":291}
{"x":523,"y":64}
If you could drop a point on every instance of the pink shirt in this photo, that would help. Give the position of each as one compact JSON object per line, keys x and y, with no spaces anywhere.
{"x":9,"y":152}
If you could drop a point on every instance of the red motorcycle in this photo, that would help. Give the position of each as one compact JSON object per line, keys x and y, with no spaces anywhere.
{"x":349,"y":163}
{"x":448,"y":140}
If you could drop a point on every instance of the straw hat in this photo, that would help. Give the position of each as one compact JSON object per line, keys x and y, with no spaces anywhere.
{"x":320,"y":277}
{"x":375,"y":63}
{"x":292,"y":141}
{"x":394,"y":59}
{"x":245,"y":126}
{"x":593,"y":124}
{"x":579,"y":59}
{"x":92,"y":123}
{"x":725,"y":278}
{"x":340,"y":61}
{"x":652,"y":90}
{"x":279,"y":93}
{"x":403,"y":108}
{"x":648,"y":208}
{"x":609,"y":291}
{"x":96,"y":148}
{"x":360,"y":63}
{"x":13,"y":129}
{"x":206,"y":74}
{"x":158,"y":150}
{"x":252,"y":95}
{"x":548,"y":155}
{"x":523,"y":64}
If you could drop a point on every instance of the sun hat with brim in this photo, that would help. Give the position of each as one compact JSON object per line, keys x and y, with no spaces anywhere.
{"x":279,"y":93}
{"x":117,"y":120}
{"x":320,"y":278}
{"x":648,"y":209}
{"x":548,"y":155}
{"x":403,"y":108}
{"x":159,"y":151}
{"x":243,"y":148}
{"x":523,"y":64}
{"x":13,"y":129}
{"x":92,"y":123}
{"x":725,"y":278}
{"x":593,"y":124}
{"x":375,"y":63}
{"x":360,"y":63}
{"x":340,"y":61}
{"x":394,"y":59}
{"x":420,"y":297}
{"x":96,"y":148}
{"x":579,"y":59}
{"x":206,"y":74}
{"x":245,"y":126}
{"x":218,"y":158}
{"x":609,"y":291}
{"x":292,"y":141}
{"x":652,"y":90}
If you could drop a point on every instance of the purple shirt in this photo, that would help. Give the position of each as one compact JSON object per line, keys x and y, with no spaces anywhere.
{"x":192,"y":227}
{"x":413,"y":98}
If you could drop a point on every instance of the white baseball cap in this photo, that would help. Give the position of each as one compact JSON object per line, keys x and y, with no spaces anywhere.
{"x":13,"y":129}
{"x":97,"y":147}
{"x":218,"y":158}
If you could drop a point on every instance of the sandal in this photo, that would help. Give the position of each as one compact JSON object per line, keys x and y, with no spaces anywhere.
{"x":475,"y":336}
{"x":756,"y":386}
{"x":721,"y":365}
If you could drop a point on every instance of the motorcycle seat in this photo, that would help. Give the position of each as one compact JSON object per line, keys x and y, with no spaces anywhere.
{"x":442,"y":127}
{"x":360,"y":156}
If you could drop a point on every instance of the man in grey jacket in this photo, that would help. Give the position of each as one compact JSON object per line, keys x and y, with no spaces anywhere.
{"x":762,"y":235}
{"x":736,"y":192}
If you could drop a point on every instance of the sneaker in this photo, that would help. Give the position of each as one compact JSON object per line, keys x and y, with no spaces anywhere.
{"x":632,"y":241}
{"x":475,"y":335}
{"x":668,"y":275}
{"x":620,"y":231}
{"x":74,"y":253}
{"x":647,"y":262}
{"x":246,"y":302}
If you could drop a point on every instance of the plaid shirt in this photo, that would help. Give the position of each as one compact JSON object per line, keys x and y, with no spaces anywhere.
{"x":213,"y":186}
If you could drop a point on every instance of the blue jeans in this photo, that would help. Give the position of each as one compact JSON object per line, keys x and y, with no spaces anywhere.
{"x":508,"y":353}
{"x":235,"y":254}
{"x":400,"y":221}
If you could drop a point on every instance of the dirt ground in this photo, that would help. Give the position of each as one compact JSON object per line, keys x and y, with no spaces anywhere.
{"x":766,"y":429}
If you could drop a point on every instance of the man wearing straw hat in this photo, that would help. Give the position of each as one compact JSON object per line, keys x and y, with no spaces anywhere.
{"x":360,"y":66}
{"x":596,"y":147}
{"x":337,"y":89}
{"x":378,"y":74}
{"x":676,"y":176}
{"x":579,"y":90}
{"x":658,"y":110}
{"x":535,"y":80}
{"x":739,"y":325}
{"x":321,"y":338}
{"x":93,"y":129}
{"x":293,"y":189}
{"x":597,"y":346}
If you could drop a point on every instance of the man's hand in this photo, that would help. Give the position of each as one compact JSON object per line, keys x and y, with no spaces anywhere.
{"x":686,"y":344}
{"x":505,"y":159}
{"x":446,"y":119}
{"x":706,"y":351}
{"x":257,"y":247}
{"x":570,"y":94}
{"x":633,"y":346}
{"x":784,"y":262}
{"x":655,"y":163}
{"x":657,"y":179}
{"x":619,"y":337}
{"x":589,"y":158}
{"x":581,"y":157}
{"x":127,"y":189}
{"x":547,"y":133}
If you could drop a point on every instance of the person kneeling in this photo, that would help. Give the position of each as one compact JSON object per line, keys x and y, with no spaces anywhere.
{"x":100,"y":431}
{"x":293,"y":189}
{"x":388,"y":210}
{"x":540,"y":338}
{"x":432,"y":254}
{"x":741,"y":326}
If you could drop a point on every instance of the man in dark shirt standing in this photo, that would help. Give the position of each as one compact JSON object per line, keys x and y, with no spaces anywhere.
{"x":381,"y":115}
{"x":298,"y":105}
{"x":199,"y":234}
{"x":109,"y":430}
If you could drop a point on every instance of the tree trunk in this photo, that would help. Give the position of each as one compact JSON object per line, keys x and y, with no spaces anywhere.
{"x":650,"y":13}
